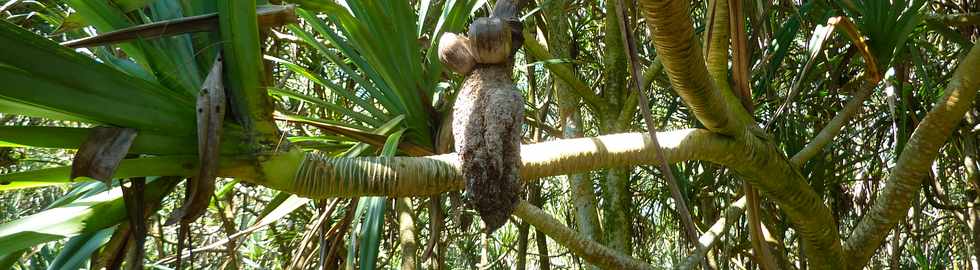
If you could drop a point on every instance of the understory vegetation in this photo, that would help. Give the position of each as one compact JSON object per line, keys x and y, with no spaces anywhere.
{"x":317,"y":134}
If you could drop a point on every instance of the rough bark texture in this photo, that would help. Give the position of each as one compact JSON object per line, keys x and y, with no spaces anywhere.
{"x":760,"y":162}
{"x":616,"y":219}
{"x":581,"y":186}
{"x":406,"y":233}
{"x":487,"y":120}
{"x":913,"y":164}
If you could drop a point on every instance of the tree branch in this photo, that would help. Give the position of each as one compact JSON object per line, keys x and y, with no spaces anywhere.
{"x":591,"y":251}
{"x":314,"y":175}
{"x":710,"y":237}
{"x":835,"y":125}
{"x":537,"y":50}
{"x":913,"y":164}
{"x":671,"y":29}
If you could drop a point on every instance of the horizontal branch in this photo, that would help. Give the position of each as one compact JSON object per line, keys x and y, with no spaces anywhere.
{"x":317,"y":176}
{"x":761,"y":164}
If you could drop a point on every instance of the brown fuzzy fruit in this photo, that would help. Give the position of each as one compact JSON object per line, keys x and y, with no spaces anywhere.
{"x":487,"y":125}
{"x":455,"y":53}
{"x":490,"y":40}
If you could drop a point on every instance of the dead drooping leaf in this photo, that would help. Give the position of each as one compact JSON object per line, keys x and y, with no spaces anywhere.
{"x":100,"y":154}
{"x":210,"y":118}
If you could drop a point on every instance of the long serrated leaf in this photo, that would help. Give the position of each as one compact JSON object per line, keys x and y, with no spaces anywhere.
{"x":86,"y":89}
{"x":79,"y":249}
{"x":82,"y":216}
{"x":244,"y":69}
{"x":330,"y":106}
{"x":71,"y":138}
{"x":373,"y":224}
{"x":377,"y":90}
{"x":370,"y":241}
{"x":152,"y":55}
{"x":330,"y":85}
{"x":166,"y":165}
{"x":380,"y":39}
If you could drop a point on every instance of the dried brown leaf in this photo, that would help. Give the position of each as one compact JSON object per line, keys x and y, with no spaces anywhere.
{"x":100,"y":154}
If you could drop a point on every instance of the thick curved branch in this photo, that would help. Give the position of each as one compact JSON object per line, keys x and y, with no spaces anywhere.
{"x":762,"y":164}
{"x":673,"y":35}
{"x":825,"y":136}
{"x":317,"y":176}
{"x":913,"y":164}
{"x":765,"y":168}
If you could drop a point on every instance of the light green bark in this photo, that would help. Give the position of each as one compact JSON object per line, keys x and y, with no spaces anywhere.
{"x":583,"y":193}
{"x":913,"y":164}
{"x":561,"y":70}
{"x":835,"y":125}
{"x":406,"y":233}
{"x":710,"y":237}
{"x":764,"y":166}
{"x":323,"y":177}
{"x":617,"y":221}
{"x":580,"y":185}
{"x":591,"y":251}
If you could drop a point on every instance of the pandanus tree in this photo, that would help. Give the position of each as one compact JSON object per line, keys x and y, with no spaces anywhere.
{"x":184,"y":90}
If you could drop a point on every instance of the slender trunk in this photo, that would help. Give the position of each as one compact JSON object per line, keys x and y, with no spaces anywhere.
{"x":406,"y":233}
{"x":581,"y":185}
{"x":523,"y":231}
{"x":544,"y":261}
{"x":973,"y":179}
{"x":893,"y":262}
{"x":617,"y":221}
{"x":583,"y":191}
